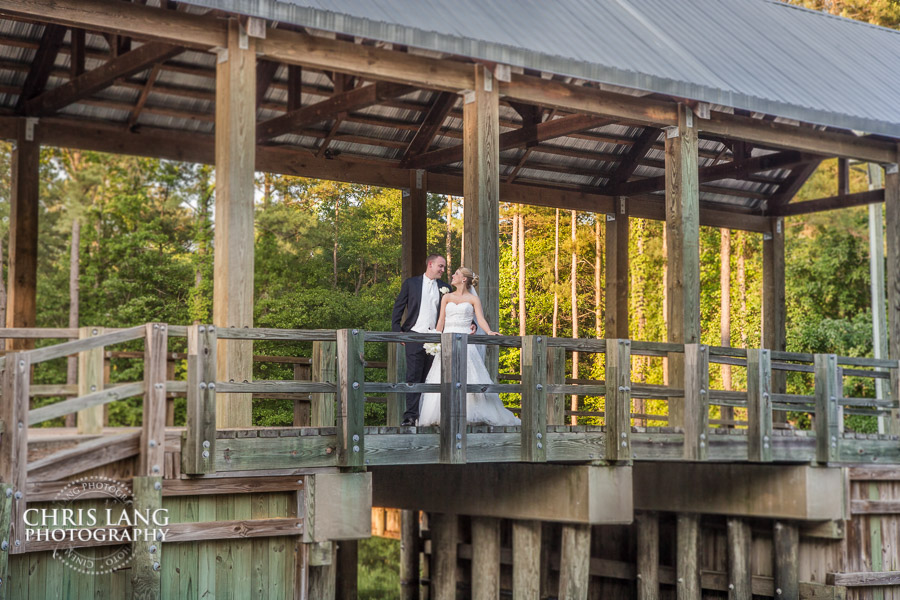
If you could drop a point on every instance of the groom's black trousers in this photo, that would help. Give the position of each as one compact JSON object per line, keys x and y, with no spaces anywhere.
{"x":418,"y":362}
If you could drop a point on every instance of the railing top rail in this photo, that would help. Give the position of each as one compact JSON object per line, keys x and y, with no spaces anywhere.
{"x":267,"y":333}
{"x":37,"y":333}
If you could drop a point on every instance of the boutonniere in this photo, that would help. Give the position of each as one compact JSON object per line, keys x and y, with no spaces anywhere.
{"x":444,"y":290}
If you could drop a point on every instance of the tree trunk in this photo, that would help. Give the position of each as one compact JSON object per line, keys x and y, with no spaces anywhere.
{"x":598,"y":270}
{"x":574,"y":278}
{"x":74,"y":268}
{"x":742,"y":283}
{"x":449,"y":237}
{"x":2,"y":287}
{"x":334,"y":252}
{"x":522,"y":315}
{"x":725,"y":321}
{"x":556,"y":276}
{"x":514,"y":255}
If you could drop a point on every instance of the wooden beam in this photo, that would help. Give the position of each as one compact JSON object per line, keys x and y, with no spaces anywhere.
{"x":526,"y":559}
{"x":294,"y":87}
{"x":444,"y":542}
{"x":430,"y":126}
{"x":632,"y":159}
{"x":647,"y":525}
{"x":683,"y":247}
{"x":864,"y":579}
{"x":485,"y":558}
{"x":524,"y":136}
{"x":892,"y":238}
{"x":481,"y":191}
{"x":351,"y":100}
{"x":145,"y":93}
{"x":774,"y":307}
{"x":790,"y":186}
{"x":235,"y":159}
{"x":265,"y":75}
{"x":153,"y":422}
{"x":42,"y":64}
{"x":617,"y":278}
{"x":100,"y":78}
{"x":78,"y":52}
{"x":731,"y":170}
{"x":21,"y":307}
{"x":833,"y":203}
{"x":574,"y":562}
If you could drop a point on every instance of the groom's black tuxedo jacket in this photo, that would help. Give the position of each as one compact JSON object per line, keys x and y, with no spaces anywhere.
{"x":409,"y":299}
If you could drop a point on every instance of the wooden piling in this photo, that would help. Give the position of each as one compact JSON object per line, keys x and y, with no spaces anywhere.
{"x":786,"y":540}
{"x":322,"y":571}
{"x":409,"y":554}
{"x":485,"y":558}
{"x":739,"y":556}
{"x":444,"y":542}
{"x":687,"y":557}
{"x":526,"y":548}
{"x":647,"y":524}
{"x":575,"y":561}
{"x":146,"y":562}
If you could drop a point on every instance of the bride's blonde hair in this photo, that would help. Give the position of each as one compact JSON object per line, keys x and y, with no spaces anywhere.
{"x":469,"y":275}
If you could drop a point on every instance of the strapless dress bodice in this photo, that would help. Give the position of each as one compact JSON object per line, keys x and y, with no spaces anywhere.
{"x":458,"y":317}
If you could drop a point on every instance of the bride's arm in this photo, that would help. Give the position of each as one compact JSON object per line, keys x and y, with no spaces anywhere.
{"x":479,"y":316}
{"x":440,"y":323}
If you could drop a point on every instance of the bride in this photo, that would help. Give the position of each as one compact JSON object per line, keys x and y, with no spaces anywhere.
{"x":457,"y":312}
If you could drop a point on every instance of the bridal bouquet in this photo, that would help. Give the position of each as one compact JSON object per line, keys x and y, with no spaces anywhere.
{"x":432,"y":348}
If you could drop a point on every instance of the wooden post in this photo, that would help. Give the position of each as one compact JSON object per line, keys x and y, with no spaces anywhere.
{"x":759,"y":405}
{"x":6,"y":506}
{"x":444,"y":542}
{"x":14,"y":440}
{"x":687,"y":557}
{"x":414,"y":226}
{"x":351,"y":397}
{"x":618,"y":399}
{"x":347,"y":570}
{"x":409,"y":553}
{"x":892,"y":236}
{"x":556,"y":373}
{"x":198,"y":447}
{"x":526,"y":550}
{"x":829,"y":421}
{"x":739,"y":556}
{"x":485,"y":558}
{"x":454,"y":349}
{"x":170,"y":402}
{"x":21,"y":306}
{"x":481,"y":188}
{"x":575,"y":562}
{"x":323,"y":570}
{"x":153,"y":428}
{"x":773,"y":305}
{"x":146,"y":562}
{"x":683,"y":247}
{"x":617,"y":233}
{"x":324,"y":370}
{"x":786,"y":540}
{"x":534,"y":398}
{"x":235,"y":161}
{"x":647,"y":555}
{"x":696,"y":401}
{"x":90,"y":379}
{"x":396,"y":373}
{"x":301,"y":406}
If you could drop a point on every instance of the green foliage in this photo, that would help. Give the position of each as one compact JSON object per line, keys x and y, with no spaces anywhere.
{"x":379,"y":576}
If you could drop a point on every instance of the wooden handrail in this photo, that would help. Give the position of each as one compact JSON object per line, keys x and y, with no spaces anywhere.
{"x":40,"y":355}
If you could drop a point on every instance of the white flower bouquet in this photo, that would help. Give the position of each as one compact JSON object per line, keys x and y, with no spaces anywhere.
{"x":433,"y":348}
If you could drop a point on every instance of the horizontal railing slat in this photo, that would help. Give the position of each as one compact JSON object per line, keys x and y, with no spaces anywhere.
{"x":34,"y":333}
{"x":265,"y":333}
{"x":66,"y":407}
{"x":75,"y":346}
{"x":282,"y":387}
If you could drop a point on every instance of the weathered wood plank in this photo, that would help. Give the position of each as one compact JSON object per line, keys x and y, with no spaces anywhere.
{"x":153,"y":424}
{"x":829,"y":423}
{"x":6,"y":502}
{"x":324,"y":370}
{"x":14,"y":439}
{"x":81,"y":345}
{"x":647,"y":525}
{"x":863,"y":579}
{"x":687,"y":557}
{"x":556,"y":374}
{"x":90,"y":380}
{"x":759,"y":405}
{"x":147,"y":554}
{"x":526,"y":559}
{"x":98,"y":398}
{"x":534,"y":398}
{"x":696,"y":401}
{"x":86,"y":455}
{"x":444,"y":542}
{"x":739,"y":559}
{"x":485,"y":558}
{"x":396,"y":372}
{"x":786,"y":542}
{"x":618,"y":400}
{"x":453,"y":397}
{"x":574,"y":567}
{"x":198,"y":446}
{"x":351,"y":397}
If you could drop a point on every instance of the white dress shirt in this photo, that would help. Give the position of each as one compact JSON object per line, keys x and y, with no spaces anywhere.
{"x":428,"y":307}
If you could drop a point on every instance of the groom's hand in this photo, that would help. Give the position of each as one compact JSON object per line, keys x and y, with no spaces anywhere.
{"x":472,"y":328}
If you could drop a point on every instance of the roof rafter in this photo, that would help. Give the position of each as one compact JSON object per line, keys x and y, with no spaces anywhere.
{"x":100,"y":78}
{"x":632,"y":157}
{"x":430,"y":126}
{"x":265,"y":75}
{"x":834,"y":202}
{"x":792,"y":184}
{"x":145,"y":93}
{"x":41,"y":66}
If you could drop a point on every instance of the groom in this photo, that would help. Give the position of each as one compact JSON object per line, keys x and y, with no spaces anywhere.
{"x":420,"y":298}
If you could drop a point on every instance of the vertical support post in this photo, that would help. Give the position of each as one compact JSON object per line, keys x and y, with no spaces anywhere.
{"x":759,"y":405}
{"x":351,"y":397}
{"x":617,"y":232}
{"x":170,"y":402}
{"x":647,"y":555}
{"x":301,"y":406}
{"x":687,"y":557}
{"x":829,"y":424}
{"x":324,"y":370}
{"x":21,"y":303}
{"x":786,"y":539}
{"x":481,"y":188}
{"x":485,"y":558}
{"x":892,"y":235}
{"x":683,"y":246}
{"x":618,"y":399}
{"x":414,"y":229}
{"x":153,"y":428}
{"x":396,"y":373}
{"x":739,"y":556}
{"x":90,"y":379}
{"x":347,"y":570}
{"x":409,"y":554}
{"x":526,"y":552}
{"x":198,"y":447}
{"x":454,"y":349}
{"x":534,"y":398}
{"x":876,"y":283}
{"x":556,"y":374}
{"x":773,"y":306}
{"x":575,"y":562}
{"x":235,"y":161}
{"x":323,"y":570}
{"x":696,"y":401}
{"x":6,"y":506}
{"x":444,"y":542}
{"x":14,"y":440}
{"x":146,"y":554}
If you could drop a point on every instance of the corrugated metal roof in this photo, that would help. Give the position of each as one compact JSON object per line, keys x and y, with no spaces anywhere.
{"x":758,"y":55}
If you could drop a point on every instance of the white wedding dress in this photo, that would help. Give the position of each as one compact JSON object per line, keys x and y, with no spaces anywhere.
{"x":487,"y":408}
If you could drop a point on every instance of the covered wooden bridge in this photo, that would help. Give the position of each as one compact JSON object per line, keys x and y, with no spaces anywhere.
{"x":612,"y":108}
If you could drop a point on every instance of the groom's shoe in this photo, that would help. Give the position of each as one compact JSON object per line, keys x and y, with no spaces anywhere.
{"x":407,"y":423}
